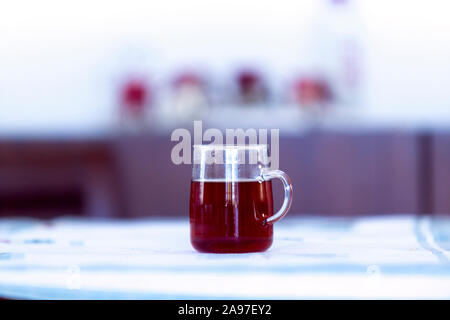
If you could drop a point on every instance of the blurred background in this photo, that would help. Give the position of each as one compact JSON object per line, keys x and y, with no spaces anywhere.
{"x":90,"y":92}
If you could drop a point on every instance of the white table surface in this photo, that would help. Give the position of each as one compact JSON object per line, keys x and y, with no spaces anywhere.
{"x":376,"y":257}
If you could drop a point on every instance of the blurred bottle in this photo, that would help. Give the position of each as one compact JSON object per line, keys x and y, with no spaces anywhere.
{"x":135,"y":92}
{"x":311,"y":91}
{"x":251,"y":88}
{"x":189,"y":96}
{"x":336,"y":50}
{"x":135,"y":100}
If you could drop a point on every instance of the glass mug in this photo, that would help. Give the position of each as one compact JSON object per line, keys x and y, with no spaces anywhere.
{"x":231,"y":204}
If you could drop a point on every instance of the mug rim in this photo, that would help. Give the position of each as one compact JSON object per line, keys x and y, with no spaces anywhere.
{"x":230,"y":146}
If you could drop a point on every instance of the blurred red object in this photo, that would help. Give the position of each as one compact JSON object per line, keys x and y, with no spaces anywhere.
{"x":310,"y":90}
{"x":135,"y":96}
{"x":251,"y":87}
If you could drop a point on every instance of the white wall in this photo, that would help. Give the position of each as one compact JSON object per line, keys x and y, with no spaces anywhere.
{"x":60,"y":60}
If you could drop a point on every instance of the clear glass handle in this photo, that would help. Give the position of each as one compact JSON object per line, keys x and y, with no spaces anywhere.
{"x":267,"y":175}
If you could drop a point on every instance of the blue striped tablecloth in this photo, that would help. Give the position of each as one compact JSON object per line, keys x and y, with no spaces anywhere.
{"x":376,"y":257}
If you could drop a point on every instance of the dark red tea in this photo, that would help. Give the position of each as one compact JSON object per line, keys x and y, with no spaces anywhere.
{"x":227,"y":217}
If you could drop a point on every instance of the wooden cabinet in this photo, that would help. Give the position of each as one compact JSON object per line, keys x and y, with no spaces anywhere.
{"x":151,"y":184}
{"x":334,"y":173}
{"x":48,"y":178}
{"x":338,"y":173}
{"x":440,"y":173}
